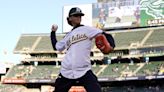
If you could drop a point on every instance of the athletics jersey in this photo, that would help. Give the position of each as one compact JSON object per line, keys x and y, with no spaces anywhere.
{"x":78,"y":44}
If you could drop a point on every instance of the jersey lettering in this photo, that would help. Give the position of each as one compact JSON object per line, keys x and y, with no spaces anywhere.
{"x":76,"y":38}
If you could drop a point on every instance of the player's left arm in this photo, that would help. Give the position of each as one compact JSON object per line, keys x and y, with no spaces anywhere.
{"x":57,"y":45}
{"x":105,"y":42}
{"x":53,"y":36}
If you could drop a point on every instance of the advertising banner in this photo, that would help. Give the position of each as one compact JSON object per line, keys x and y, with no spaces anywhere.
{"x":14,"y":80}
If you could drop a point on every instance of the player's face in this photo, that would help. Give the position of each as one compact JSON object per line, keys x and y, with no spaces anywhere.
{"x":76,"y":19}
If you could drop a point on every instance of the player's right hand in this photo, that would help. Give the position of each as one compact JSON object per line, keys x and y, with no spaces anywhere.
{"x":54,"y":27}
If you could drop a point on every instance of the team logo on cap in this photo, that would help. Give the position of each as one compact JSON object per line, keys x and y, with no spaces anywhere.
{"x":78,"y":10}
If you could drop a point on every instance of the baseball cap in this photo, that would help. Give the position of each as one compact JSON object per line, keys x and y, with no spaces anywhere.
{"x":75,"y":11}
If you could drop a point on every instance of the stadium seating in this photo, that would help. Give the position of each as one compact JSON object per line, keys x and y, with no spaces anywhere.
{"x":32,"y":72}
{"x":44,"y":44}
{"x":25,"y":42}
{"x":12,"y":88}
{"x":44,"y":71}
{"x":156,"y":38}
{"x":124,"y":39}
{"x":151,"y":68}
{"x":111,"y":70}
{"x":118,"y":70}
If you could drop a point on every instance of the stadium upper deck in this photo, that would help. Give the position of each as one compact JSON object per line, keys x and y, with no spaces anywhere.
{"x":142,"y":40}
{"x":138,"y":38}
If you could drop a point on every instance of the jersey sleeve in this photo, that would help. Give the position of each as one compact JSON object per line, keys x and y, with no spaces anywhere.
{"x":57,"y":45}
{"x":61,"y":45}
{"x":53,"y":40}
{"x":93,"y":32}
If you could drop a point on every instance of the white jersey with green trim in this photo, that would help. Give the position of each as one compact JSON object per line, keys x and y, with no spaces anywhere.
{"x":78,"y":44}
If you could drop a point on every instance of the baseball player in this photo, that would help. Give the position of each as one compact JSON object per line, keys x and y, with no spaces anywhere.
{"x":76,"y":65}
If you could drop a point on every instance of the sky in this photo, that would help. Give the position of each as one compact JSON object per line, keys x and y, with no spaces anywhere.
{"x":28,"y":16}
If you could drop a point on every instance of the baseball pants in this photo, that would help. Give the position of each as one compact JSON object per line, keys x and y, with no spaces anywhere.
{"x":89,"y":81}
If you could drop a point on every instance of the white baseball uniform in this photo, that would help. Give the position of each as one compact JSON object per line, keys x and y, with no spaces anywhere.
{"x":78,"y":43}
